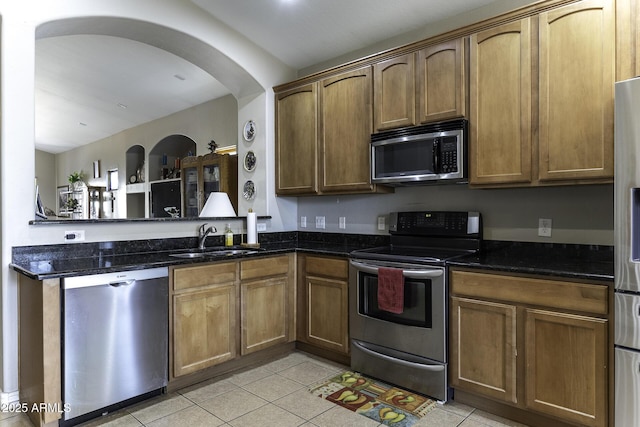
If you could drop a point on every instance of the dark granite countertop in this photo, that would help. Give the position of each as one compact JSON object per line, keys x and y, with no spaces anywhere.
{"x":591,"y":262}
{"x":57,"y":261}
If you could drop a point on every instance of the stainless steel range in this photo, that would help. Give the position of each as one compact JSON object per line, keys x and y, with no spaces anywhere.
{"x":407,"y":344}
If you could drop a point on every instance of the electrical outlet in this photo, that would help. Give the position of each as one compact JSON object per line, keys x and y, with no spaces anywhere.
{"x":342,"y":222}
{"x":74,"y":236}
{"x":544,"y":227}
{"x":319,"y":222}
{"x":261,"y":226}
{"x":381,"y":223}
{"x":303,"y":222}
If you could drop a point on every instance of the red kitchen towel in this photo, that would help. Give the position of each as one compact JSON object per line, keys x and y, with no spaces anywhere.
{"x":390,"y":290}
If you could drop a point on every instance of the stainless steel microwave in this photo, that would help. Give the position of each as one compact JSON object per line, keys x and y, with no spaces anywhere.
{"x":427,"y":154}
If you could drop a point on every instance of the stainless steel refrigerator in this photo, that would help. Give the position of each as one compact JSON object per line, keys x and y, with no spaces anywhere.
{"x":627,"y":253}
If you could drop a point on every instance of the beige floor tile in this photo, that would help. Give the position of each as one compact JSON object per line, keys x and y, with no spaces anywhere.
{"x":457,"y":408}
{"x":231,"y":405}
{"x":439,"y":418}
{"x":202,"y":392}
{"x":340,"y":417}
{"x":308,"y":373}
{"x":250,"y":375}
{"x":154,"y":409}
{"x":304,"y":404}
{"x":268,"y":415}
{"x":16,"y":420}
{"x":116,"y":419}
{"x":493,"y":420}
{"x":286,"y":362}
{"x":273,"y":387}
{"x":193,"y":416}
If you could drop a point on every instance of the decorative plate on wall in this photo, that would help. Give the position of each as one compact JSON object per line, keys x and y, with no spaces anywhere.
{"x":250,"y":161}
{"x":249,"y":131}
{"x":249,"y":190}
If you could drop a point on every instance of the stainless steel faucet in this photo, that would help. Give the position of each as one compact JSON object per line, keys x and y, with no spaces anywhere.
{"x":203,"y":233}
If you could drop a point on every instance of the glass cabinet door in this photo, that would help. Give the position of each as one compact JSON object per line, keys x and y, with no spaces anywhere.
{"x":190,"y":192}
{"x":210,"y":180}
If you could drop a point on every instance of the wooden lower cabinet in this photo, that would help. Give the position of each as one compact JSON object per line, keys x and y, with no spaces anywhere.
{"x":203,"y":316}
{"x":489,"y":329}
{"x":266,"y":301}
{"x":566,"y":366}
{"x":540,"y":345}
{"x":324,"y":299}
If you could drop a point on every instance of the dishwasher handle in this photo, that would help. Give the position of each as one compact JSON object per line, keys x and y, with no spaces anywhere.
{"x":122,"y":283}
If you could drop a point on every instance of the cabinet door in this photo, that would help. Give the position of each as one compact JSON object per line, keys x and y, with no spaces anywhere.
{"x":203,"y":329}
{"x":441,"y":82}
{"x":394,"y":92}
{"x":327,"y":313}
{"x":566,"y":366}
{"x":627,"y":39}
{"x":264,"y":313}
{"x":576,"y":91}
{"x":483,"y":348}
{"x":500,"y":105}
{"x":296,"y":141}
{"x":346,"y":126}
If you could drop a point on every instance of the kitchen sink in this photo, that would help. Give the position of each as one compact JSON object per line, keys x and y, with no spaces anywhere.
{"x":213,"y":253}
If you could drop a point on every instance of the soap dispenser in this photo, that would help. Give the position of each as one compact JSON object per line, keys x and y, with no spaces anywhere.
{"x":228,"y":236}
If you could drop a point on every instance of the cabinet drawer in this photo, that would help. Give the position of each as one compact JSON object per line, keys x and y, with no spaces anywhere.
{"x":524,"y":290}
{"x":327,"y":267}
{"x":204,"y":275}
{"x":264,"y":267}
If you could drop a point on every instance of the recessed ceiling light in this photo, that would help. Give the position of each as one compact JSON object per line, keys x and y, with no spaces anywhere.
{"x":179,"y":77}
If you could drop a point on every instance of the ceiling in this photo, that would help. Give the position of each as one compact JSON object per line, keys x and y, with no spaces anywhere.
{"x":116,"y":83}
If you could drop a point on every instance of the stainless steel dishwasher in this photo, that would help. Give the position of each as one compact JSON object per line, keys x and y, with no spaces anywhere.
{"x":115,"y":340}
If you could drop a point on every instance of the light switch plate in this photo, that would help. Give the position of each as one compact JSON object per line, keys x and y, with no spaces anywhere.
{"x":303,"y":222}
{"x":261,"y":226}
{"x":319,"y":222}
{"x":381,"y":223}
{"x":74,"y":236}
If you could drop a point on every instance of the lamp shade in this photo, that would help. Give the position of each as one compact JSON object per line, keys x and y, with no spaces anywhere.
{"x":218,"y":205}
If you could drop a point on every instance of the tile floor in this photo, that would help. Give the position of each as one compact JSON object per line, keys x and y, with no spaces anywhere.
{"x":272,"y":394}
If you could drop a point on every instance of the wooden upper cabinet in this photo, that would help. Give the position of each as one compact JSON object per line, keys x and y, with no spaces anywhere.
{"x":394,"y":92}
{"x":627,"y":39}
{"x":500,"y":104}
{"x":576,"y":91}
{"x":440,"y":81}
{"x":346,"y":127}
{"x":296,"y":141}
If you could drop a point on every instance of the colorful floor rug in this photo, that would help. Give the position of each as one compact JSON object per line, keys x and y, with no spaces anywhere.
{"x":374,"y":399}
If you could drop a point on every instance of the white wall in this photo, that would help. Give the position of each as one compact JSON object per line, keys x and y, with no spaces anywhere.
{"x":45,"y":164}
{"x":182,"y":28}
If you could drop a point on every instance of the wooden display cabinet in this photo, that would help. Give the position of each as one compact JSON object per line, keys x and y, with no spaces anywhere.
{"x":203,"y":175}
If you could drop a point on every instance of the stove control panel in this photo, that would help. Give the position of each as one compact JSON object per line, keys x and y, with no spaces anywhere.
{"x":436,"y":223}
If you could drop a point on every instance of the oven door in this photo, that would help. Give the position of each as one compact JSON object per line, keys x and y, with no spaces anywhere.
{"x":421,"y":327}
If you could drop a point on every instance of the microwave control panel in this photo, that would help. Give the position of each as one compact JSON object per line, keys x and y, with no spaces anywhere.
{"x":448,"y":155}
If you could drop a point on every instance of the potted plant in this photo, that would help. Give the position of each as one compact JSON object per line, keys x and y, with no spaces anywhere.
{"x":76,"y":180}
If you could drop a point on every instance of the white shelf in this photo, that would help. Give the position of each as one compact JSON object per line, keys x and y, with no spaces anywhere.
{"x":136,"y":188}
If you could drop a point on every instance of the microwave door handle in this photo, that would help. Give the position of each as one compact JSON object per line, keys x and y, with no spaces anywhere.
{"x":436,"y":155}
{"x":412,"y":274}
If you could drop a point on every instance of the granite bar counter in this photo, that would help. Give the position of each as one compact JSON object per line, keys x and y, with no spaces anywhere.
{"x":67,"y":260}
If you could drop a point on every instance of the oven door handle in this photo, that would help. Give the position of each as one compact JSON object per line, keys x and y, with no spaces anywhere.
{"x":364,"y":349}
{"x":412,"y":274}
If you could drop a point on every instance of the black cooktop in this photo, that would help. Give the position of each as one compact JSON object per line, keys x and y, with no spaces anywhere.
{"x":428,"y":237}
